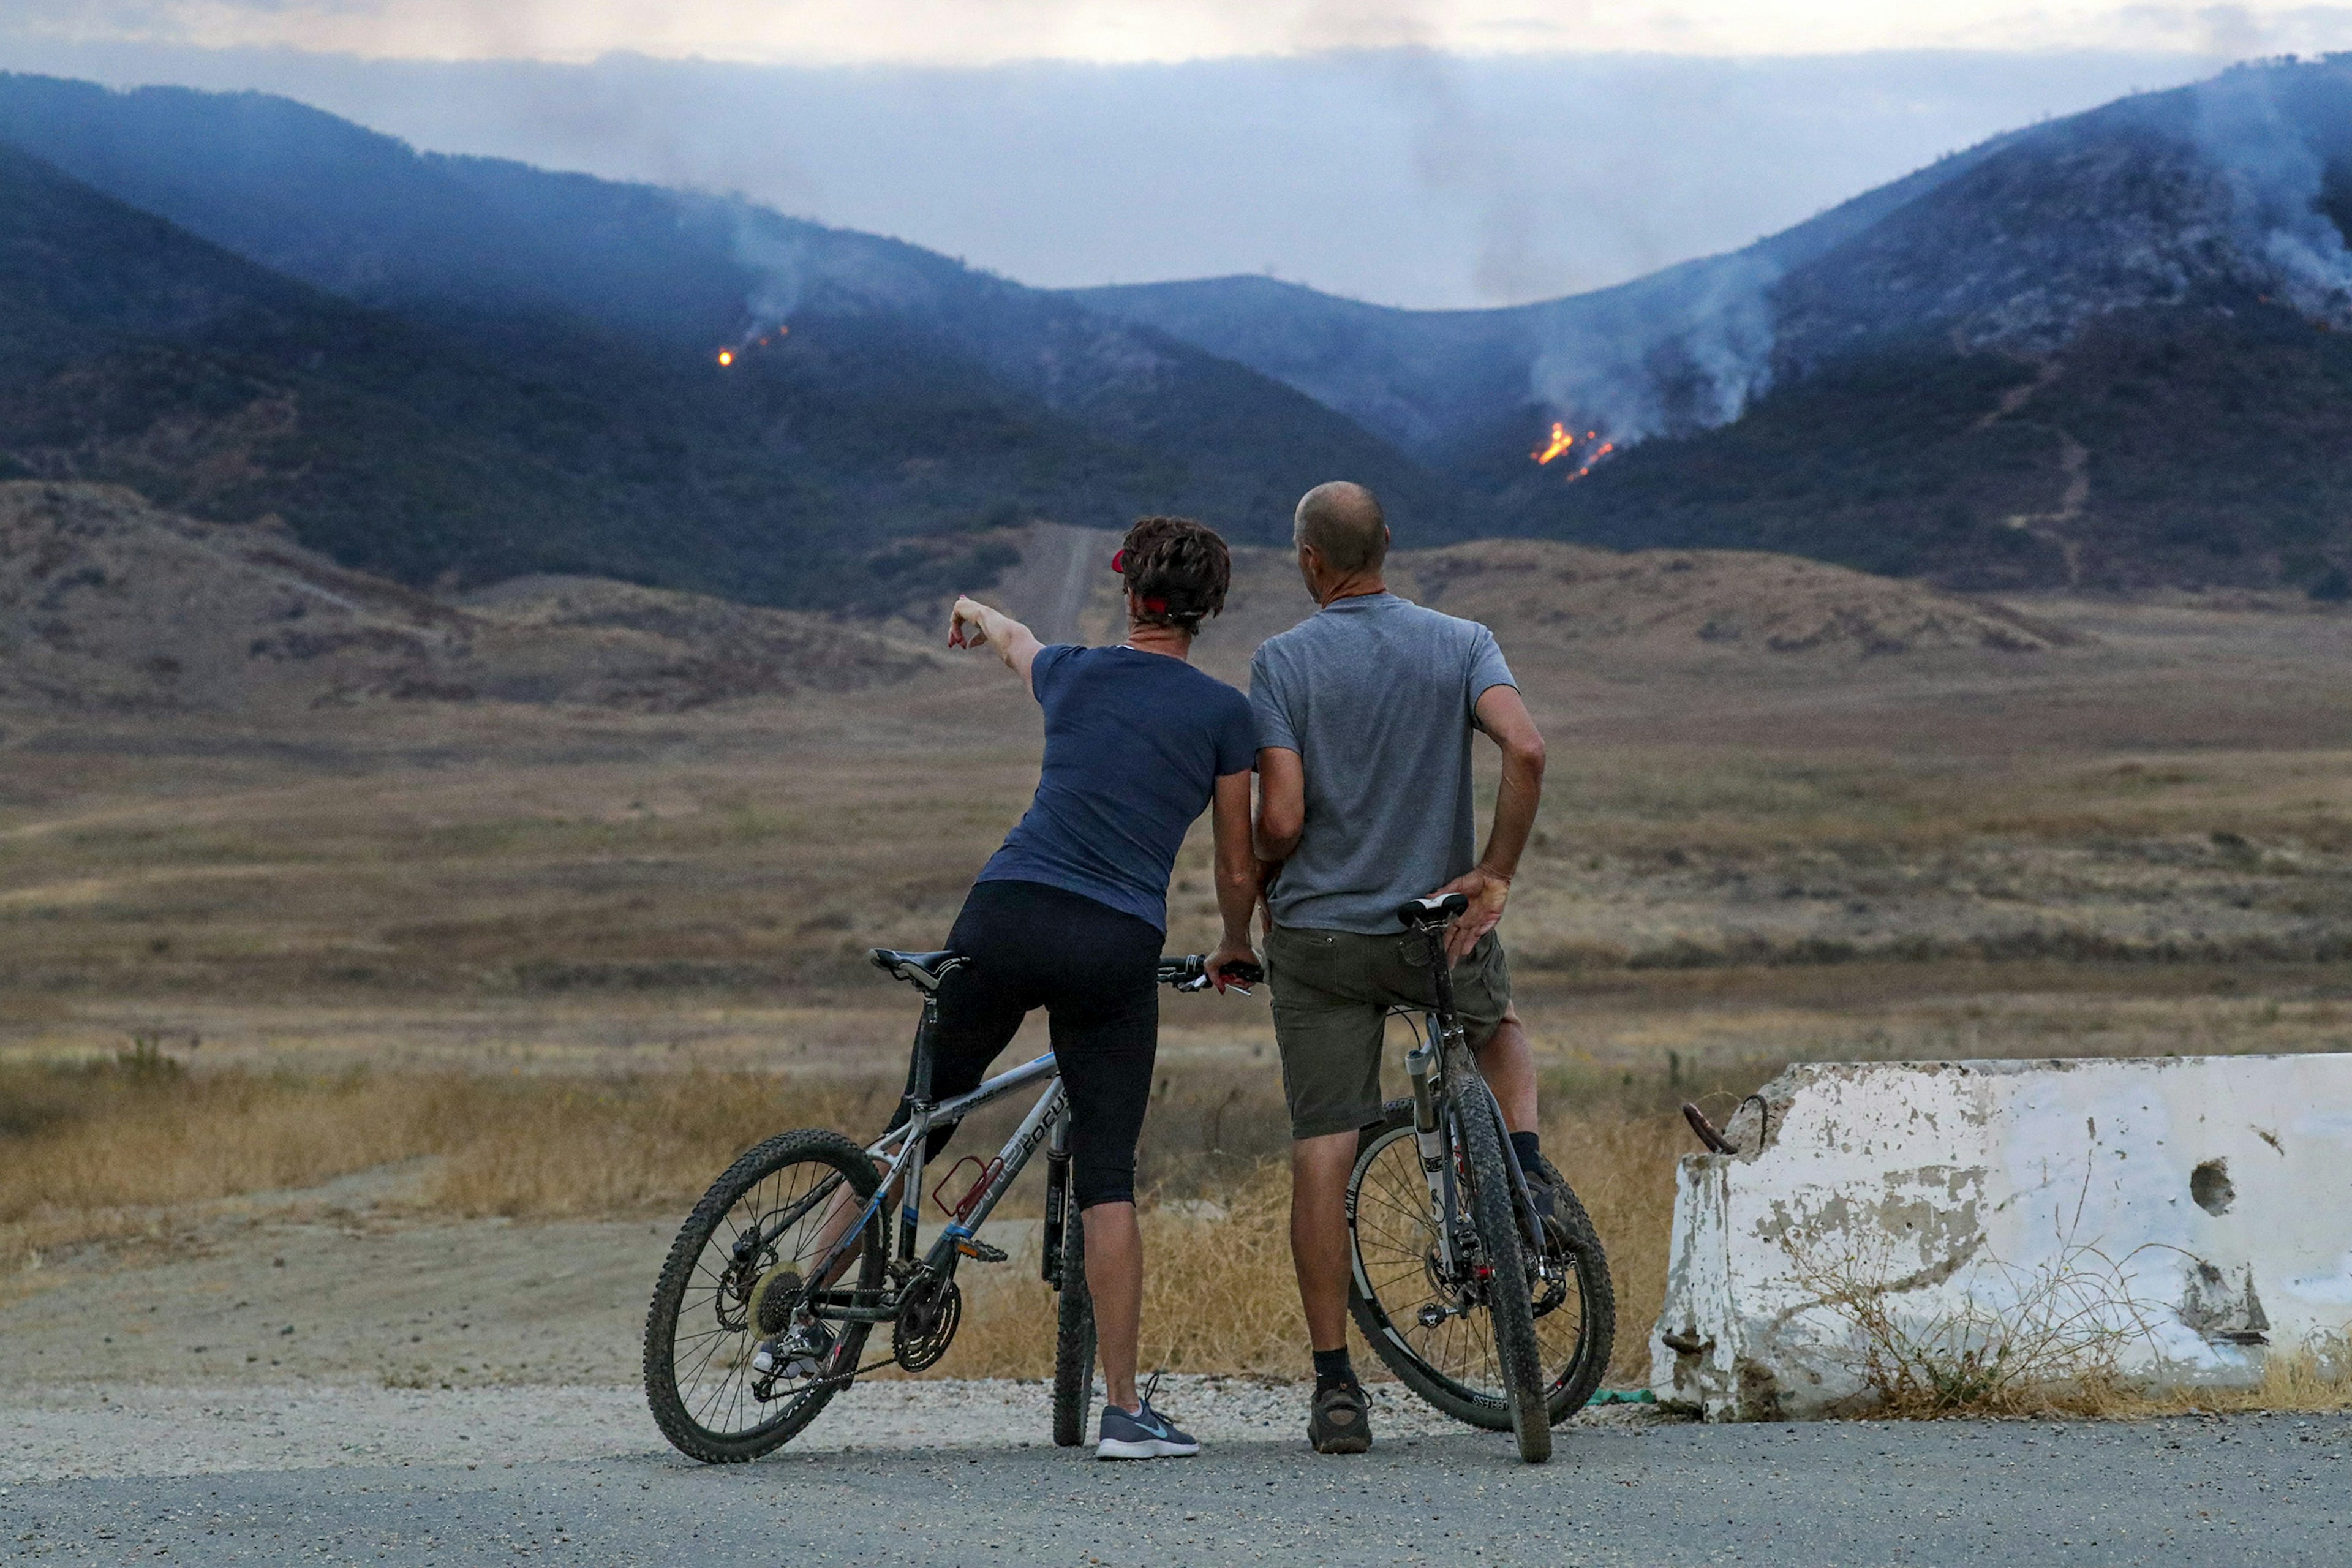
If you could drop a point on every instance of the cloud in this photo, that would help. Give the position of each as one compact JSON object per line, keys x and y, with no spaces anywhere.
{"x":963,"y":32}
{"x":1408,"y":177}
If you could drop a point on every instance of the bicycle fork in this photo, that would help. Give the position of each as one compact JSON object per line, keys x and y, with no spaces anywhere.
{"x":1057,"y":1193}
{"x":1424,"y":1068}
{"x":1431,"y":1093}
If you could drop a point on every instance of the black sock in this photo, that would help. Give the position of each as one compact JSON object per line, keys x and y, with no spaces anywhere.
{"x":1528,"y":1148}
{"x":1332,"y":1370}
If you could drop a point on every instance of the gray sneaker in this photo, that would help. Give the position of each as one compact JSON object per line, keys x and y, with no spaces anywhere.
{"x":1146,"y":1434}
{"x":800,"y":1351}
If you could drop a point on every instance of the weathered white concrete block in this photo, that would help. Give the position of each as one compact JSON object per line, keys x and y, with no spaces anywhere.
{"x":2198,"y":1208}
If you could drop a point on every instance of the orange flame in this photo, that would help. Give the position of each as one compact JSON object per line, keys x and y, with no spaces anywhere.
{"x":1560,"y":442}
{"x":727,"y":356}
{"x":1606,"y":448}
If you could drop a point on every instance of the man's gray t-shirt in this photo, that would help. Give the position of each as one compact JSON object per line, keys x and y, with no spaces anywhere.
{"x":1377,"y":695}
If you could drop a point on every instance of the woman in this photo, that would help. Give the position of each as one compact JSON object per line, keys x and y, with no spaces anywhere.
{"x":1070,"y":915}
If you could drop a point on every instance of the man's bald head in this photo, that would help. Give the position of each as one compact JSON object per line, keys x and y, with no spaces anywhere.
{"x":1344,"y":524}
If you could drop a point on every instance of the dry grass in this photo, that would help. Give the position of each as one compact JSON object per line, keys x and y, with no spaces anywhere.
{"x":2045,"y":1340}
{"x":2307,"y":1382}
{"x":124,"y":1148}
{"x":136,"y":1147}
{"x":114,"y":1149}
{"x":1219,"y":1294}
{"x":1623,"y":1166}
{"x":2012,"y":1341}
{"x":574,"y":1148}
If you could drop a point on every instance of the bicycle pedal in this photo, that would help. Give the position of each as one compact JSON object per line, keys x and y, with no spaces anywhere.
{"x":971,"y":1246}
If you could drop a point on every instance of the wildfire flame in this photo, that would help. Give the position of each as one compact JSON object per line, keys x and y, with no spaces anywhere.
{"x":1603,"y":450}
{"x":1562,"y":438}
{"x":727,"y":356}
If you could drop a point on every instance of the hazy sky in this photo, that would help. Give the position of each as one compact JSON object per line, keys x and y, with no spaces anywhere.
{"x":970,"y":32}
{"x":1476,"y":152}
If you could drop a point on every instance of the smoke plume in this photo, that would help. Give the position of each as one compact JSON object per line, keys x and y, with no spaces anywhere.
{"x":2275,"y":179}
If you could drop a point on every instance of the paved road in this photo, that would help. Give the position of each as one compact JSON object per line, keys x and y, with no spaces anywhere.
{"x":2268,"y":1490}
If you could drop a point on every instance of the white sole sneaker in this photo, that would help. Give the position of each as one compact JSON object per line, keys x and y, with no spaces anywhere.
{"x":1150,"y":1448}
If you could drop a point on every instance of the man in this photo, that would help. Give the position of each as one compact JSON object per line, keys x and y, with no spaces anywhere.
{"x":1364,"y":716}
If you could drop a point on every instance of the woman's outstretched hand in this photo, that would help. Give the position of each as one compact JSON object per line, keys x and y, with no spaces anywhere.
{"x":966,"y":627}
{"x":973,"y":624}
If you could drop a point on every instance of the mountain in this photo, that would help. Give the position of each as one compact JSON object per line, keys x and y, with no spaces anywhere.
{"x":2100,"y":352}
{"x":2103,"y":352}
{"x":1447,"y":386}
{"x":135,"y":353}
{"x":877,"y":390}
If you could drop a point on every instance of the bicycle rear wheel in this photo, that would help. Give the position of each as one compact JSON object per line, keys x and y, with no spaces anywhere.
{"x":733,"y":1278}
{"x":1074,"y":1337}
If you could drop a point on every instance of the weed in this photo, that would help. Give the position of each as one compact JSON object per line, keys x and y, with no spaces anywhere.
{"x":2001,"y":1337}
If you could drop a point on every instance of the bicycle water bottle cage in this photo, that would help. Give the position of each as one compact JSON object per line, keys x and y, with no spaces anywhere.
{"x":923,"y":971}
{"x":1431,"y":911}
{"x":963,"y":1206}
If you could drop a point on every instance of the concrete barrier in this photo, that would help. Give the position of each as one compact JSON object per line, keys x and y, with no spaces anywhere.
{"x":2172,"y":1221}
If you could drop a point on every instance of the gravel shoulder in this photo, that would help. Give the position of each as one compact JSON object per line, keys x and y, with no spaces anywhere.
{"x":1842,"y":1495}
{"x":65,"y":1432}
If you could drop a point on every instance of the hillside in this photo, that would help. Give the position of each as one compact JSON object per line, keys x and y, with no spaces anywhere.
{"x":906,"y":392}
{"x":2096,"y":353}
{"x":1556,"y":608}
{"x":134,"y":353}
{"x":1466,"y":390}
{"x":111,"y":606}
{"x":2100,"y":353}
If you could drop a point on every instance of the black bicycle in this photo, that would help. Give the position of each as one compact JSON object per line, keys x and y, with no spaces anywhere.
{"x":1496,"y":1314}
{"x":783,"y":1270}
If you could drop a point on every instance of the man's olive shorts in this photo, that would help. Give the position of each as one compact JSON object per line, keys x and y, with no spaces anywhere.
{"x":1332,"y":991}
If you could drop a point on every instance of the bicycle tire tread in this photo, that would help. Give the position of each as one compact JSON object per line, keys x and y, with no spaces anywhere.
{"x":1074,"y":1337}
{"x":684,"y":1433}
{"x":1493,"y":1218}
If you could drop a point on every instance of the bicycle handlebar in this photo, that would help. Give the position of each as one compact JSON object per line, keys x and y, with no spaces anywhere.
{"x":1191,"y":973}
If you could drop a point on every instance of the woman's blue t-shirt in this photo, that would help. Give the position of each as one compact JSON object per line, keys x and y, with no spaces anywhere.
{"x":1135,"y":743}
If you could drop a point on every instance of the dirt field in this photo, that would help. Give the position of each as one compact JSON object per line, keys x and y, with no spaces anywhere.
{"x":453,"y":961}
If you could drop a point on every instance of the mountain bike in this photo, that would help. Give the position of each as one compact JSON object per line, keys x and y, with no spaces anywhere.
{"x":1499,"y":1315}
{"x":797,"y":1232}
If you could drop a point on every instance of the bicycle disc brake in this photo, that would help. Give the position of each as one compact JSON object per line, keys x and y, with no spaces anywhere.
{"x":928,"y":1315}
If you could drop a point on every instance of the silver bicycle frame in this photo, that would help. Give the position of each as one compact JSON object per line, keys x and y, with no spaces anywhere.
{"x":903,"y":1148}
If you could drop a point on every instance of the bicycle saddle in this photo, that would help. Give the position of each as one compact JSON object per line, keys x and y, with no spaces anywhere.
{"x":1431,"y":911}
{"x":925,"y":970}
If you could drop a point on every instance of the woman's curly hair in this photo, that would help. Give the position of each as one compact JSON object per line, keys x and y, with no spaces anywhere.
{"x":1178,"y":570}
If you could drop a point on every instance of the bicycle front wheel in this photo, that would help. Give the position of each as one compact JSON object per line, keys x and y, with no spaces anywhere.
{"x":1450,"y":1357}
{"x":1501,"y":1273}
{"x":1074,"y":1336}
{"x":734,"y":1277}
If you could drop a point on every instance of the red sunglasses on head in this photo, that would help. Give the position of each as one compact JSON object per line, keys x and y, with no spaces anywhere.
{"x":1157,"y":607}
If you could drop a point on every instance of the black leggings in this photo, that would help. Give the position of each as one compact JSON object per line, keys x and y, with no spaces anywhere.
{"x":1094,"y":969}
